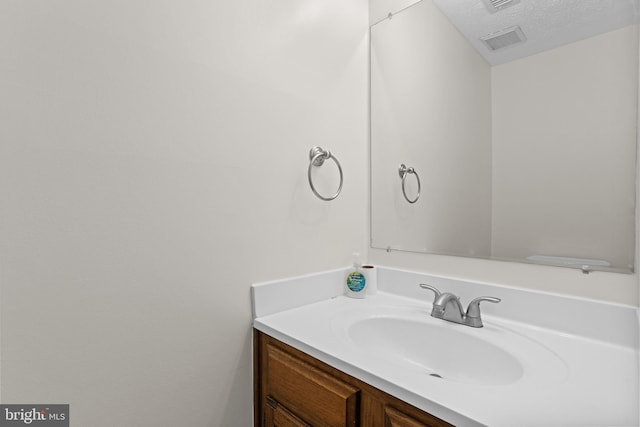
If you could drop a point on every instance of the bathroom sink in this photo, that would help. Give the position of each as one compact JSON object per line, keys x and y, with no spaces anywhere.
{"x":440,"y":351}
{"x":424,"y":347}
{"x":530,"y":364}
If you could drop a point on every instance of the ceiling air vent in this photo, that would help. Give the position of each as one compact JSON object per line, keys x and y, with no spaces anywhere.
{"x":504,"y":38}
{"x":496,"y":5}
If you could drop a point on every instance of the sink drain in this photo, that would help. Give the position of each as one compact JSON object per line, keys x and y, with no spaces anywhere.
{"x":435,"y":375}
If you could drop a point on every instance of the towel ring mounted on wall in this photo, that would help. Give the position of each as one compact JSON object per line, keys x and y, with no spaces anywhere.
{"x":403,"y":171}
{"x":317,"y":157}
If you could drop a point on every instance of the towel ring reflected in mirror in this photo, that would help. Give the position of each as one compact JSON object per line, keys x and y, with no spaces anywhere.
{"x":317,"y":157}
{"x":404,"y":171}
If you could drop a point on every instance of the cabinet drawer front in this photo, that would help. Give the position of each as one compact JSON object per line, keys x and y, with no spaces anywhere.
{"x":395,"y":418}
{"x":277,"y":415}
{"x":313,"y":395}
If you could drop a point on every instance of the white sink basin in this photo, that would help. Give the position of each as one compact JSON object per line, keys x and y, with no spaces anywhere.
{"x":414,"y":342}
{"x":436,"y":350}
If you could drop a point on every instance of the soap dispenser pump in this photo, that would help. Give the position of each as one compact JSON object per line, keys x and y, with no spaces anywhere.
{"x":356,"y":282}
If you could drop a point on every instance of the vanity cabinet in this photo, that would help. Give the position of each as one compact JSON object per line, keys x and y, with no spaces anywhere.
{"x":293,"y":389}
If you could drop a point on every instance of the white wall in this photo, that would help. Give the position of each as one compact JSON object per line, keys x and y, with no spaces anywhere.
{"x":552,"y":156}
{"x":153,"y":160}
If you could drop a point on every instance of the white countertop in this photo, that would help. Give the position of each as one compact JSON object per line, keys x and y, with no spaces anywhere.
{"x":579,"y":379}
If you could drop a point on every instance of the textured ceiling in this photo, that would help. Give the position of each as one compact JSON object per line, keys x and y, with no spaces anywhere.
{"x":545,"y":23}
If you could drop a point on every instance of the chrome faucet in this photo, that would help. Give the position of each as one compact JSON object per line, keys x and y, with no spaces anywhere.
{"x":447,"y":306}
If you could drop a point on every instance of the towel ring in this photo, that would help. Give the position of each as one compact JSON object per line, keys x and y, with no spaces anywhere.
{"x":317,"y":157}
{"x":403,"y":171}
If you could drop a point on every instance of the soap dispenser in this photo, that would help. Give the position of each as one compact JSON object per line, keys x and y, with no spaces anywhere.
{"x":355,"y":281}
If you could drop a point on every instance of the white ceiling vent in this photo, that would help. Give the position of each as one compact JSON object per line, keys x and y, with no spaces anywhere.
{"x":504,"y":38}
{"x":496,"y":5}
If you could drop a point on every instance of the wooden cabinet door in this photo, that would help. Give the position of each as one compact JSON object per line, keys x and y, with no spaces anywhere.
{"x":311,"y":394}
{"x":276,"y":415}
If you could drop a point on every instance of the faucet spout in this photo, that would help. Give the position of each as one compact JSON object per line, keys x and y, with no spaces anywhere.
{"x":447,"y":306}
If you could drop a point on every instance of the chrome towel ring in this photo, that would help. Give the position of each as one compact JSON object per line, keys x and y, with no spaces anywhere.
{"x":403,"y":171}
{"x":317,"y":157}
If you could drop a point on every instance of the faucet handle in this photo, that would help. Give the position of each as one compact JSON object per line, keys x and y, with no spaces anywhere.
{"x":431,"y":288}
{"x":473,"y":311}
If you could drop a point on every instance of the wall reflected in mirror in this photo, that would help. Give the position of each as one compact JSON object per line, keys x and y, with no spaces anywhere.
{"x":525,"y":152}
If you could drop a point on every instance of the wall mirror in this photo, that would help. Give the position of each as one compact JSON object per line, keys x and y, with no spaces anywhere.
{"x":519,"y":118}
